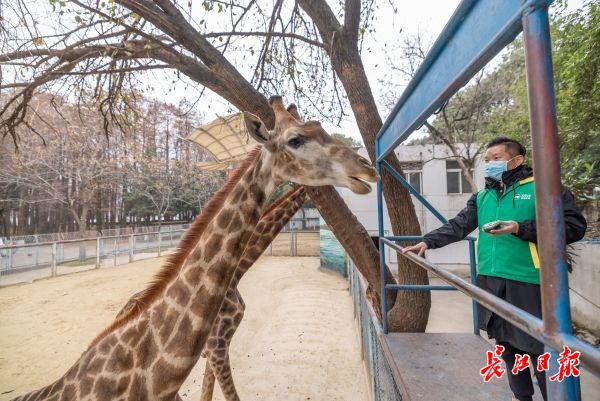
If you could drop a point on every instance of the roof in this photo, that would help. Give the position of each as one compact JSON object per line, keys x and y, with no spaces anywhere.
{"x":226,"y":138}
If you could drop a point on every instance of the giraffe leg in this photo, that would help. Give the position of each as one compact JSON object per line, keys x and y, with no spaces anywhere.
{"x":222,"y":372}
{"x":217,"y":347}
{"x":208,"y":383}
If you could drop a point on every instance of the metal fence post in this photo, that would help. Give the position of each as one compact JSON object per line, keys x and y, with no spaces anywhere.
{"x":53,"y":264}
{"x":380,"y":221}
{"x":60,"y":252}
{"x":292,"y":253}
{"x":159,"y":240}
{"x":473,"y":274}
{"x":10,"y":257}
{"x":549,"y":211}
{"x":131,"y":245}
{"x":97,"y":252}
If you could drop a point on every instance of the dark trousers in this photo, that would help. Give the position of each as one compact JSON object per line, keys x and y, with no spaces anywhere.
{"x":521,"y":383}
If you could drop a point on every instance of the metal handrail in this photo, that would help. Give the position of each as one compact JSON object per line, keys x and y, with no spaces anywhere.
{"x":425,"y":287}
{"x":590,"y":356}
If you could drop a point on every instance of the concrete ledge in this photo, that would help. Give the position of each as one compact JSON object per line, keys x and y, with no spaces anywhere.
{"x":584,"y":284}
{"x":442,"y":366}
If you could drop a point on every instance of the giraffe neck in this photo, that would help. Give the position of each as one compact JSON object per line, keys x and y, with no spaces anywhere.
{"x":182,"y":319}
{"x":152,"y":354}
{"x":278,"y":215}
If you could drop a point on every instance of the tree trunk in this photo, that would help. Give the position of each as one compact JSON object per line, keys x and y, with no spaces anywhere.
{"x":81,"y":220}
{"x":353,"y":237}
{"x":411,"y":310}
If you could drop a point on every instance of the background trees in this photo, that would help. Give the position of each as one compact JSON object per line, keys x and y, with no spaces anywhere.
{"x":80,"y":179}
{"x":576,"y":62}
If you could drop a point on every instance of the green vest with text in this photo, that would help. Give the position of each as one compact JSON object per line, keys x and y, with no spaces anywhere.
{"x":507,"y":255}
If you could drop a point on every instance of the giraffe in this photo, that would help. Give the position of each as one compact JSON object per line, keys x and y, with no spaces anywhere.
{"x":216,"y":350}
{"x":147,"y":352}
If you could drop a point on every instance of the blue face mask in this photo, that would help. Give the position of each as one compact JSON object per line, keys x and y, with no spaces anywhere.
{"x":496,"y":168}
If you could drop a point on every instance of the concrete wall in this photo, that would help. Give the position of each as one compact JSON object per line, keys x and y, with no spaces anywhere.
{"x":584,"y":284}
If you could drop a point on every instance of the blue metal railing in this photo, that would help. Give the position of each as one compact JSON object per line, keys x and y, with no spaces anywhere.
{"x":422,"y":287}
{"x":475,"y":33}
{"x":442,"y":219}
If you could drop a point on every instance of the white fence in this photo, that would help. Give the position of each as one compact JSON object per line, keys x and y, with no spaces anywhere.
{"x":90,"y":234}
{"x":28,"y":262}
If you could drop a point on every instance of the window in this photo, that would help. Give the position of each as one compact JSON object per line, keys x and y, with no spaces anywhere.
{"x":457,"y":183}
{"x":413,"y":174}
{"x":414,"y":179}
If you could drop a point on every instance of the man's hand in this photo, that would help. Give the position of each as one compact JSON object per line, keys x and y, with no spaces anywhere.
{"x":418,"y":248}
{"x":507,"y":227}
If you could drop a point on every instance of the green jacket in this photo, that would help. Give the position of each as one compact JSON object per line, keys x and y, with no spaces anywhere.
{"x":507,"y":256}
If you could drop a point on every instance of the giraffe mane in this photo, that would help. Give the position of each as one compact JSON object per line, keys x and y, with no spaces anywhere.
{"x":176,"y":260}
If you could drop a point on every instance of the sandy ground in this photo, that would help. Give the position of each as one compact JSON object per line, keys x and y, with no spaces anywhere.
{"x":298,"y":340}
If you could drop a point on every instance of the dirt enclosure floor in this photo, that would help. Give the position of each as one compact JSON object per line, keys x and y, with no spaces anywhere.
{"x":298,"y":340}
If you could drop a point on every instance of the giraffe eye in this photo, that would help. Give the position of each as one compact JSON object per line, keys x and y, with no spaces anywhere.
{"x":296,"y":142}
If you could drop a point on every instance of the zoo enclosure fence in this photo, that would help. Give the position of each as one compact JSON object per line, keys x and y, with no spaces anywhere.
{"x":24,"y":262}
{"x":89,"y":234}
{"x":296,"y":223}
{"x":382,"y":386}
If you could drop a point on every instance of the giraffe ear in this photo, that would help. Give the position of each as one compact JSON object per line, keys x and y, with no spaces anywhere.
{"x":256,"y":128}
{"x":293,"y":110}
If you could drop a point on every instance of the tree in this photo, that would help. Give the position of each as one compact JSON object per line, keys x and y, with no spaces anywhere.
{"x":69,"y":171}
{"x":162,"y":180}
{"x":348,"y":140}
{"x":576,"y":59}
{"x":151,"y":190}
{"x":78,"y":179}
{"x":466,"y":118}
{"x":156,"y":193}
{"x":301,"y":48}
{"x":463,"y":123}
{"x":576,"y":63}
{"x":193,"y":189}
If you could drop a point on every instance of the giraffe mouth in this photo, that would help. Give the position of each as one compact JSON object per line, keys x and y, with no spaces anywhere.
{"x":359,"y":186}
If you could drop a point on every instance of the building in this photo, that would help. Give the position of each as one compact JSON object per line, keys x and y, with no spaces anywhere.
{"x":433,"y":171}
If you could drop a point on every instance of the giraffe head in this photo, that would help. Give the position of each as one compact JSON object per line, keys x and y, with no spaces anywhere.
{"x":304,"y":153}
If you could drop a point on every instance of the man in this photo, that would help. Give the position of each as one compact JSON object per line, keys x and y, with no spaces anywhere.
{"x":508,"y":263}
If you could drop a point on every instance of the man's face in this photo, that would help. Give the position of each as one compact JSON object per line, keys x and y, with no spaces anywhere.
{"x":498,"y":152}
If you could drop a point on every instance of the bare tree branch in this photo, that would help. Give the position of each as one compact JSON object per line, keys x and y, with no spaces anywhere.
{"x":267,"y":35}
